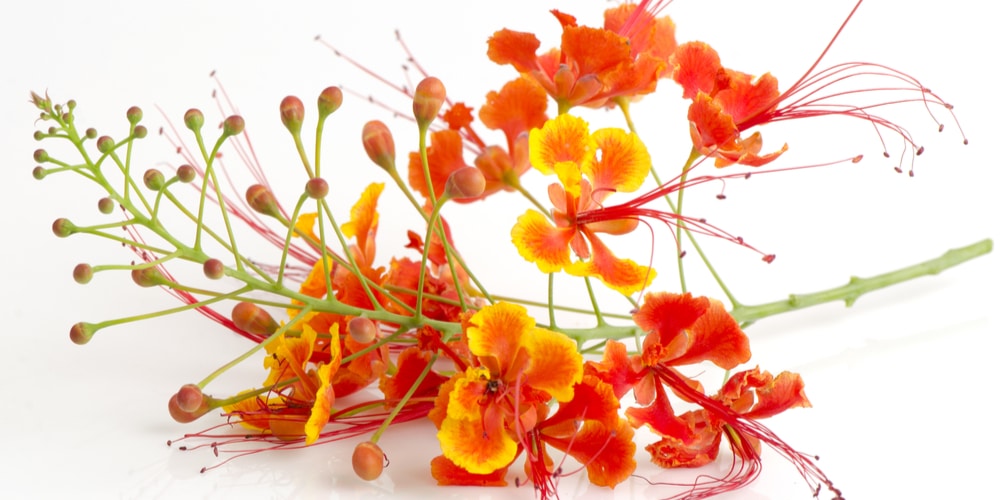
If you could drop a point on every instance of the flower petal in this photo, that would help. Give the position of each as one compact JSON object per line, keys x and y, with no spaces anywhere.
{"x":444,"y":156}
{"x":475,"y":448}
{"x":518,"y":107}
{"x":565,"y":138}
{"x":554,"y":364}
{"x":538,"y":241}
{"x":623,"y":275}
{"x":624,"y":162}
{"x":696,"y":67}
{"x":498,"y":331}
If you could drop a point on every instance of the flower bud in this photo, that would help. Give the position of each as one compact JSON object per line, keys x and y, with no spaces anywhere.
{"x":193,"y":119}
{"x":186,"y":173}
{"x":213,"y":269}
{"x":39,"y":135}
{"x":466,"y":182}
{"x":183,"y":416}
{"x":262,"y":200}
{"x":139,"y":132}
{"x":368,"y":461}
{"x":233,"y":125}
{"x":39,"y":172}
{"x":153,"y":179}
{"x":317,"y":188}
{"x":82,"y":273}
{"x":249,"y":317}
{"x":427,"y":100}
{"x":90,"y":133}
{"x":63,"y":227}
{"x":379,"y":145}
{"x":329,"y":101}
{"x":105,"y":205}
{"x":362,"y":330}
{"x":147,"y":277}
{"x":292,"y":113}
{"x":190,"y":398}
{"x":41,"y":155}
{"x":81,"y":333}
{"x":105,"y":144}
{"x":134,"y":114}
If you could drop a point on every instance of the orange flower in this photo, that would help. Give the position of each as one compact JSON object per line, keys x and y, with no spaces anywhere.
{"x":594,"y":66}
{"x":589,"y":167}
{"x":489,"y":407}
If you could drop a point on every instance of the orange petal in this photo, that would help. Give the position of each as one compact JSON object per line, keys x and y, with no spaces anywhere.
{"x":513,"y":47}
{"x":498,"y":331}
{"x":474,"y":448}
{"x":448,"y":474}
{"x":746,"y":98}
{"x":696,"y":66}
{"x":564,"y":138}
{"x":715,"y":337}
{"x":622,"y":275}
{"x":465,"y":397}
{"x":320,"y":413}
{"x":555,"y":365}
{"x":594,"y":50}
{"x":458,"y":116}
{"x":518,"y":107}
{"x":773,"y":394}
{"x":624,"y":161}
{"x":304,"y":226}
{"x":364,"y":219}
{"x":538,"y":241}
{"x":607,"y":452}
{"x":701,"y":449}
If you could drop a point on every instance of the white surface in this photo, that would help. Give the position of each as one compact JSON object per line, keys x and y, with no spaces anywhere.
{"x":901,"y":383}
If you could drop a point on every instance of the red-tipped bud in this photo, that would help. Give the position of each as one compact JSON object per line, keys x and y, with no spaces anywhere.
{"x":213,"y":269}
{"x":186,"y":173}
{"x":292,"y":113}
{"x":190,"y":398}
{"x":105,"y":144}
{"x":466,"y":182}
{"x":329,"y":101}
{"x":249,"y":317}
{"x":233,"y":125}
{"x":262,"y":200}
{"x":184,"y":417}
{"x":379,"y":145}
{"x":39,"y":172}
{"x":368,"y":461}
{"x":193,"y":119}
{"x":134,"y":114}
{"x":41,"y":155}
{"x":39,"y":135}
{"x":81,"y":333}
{"x":153,"y":179}
{"x":82,"y":273}
{"x":63,"y":227}
{"x":90,"y":133}
{"x":427,"y":100}
{"x":105,"y":205}
{"x":140,"y":132}
{"x":147,"y":277}
{"x":362,"y":330}
{"x":317,"y":188}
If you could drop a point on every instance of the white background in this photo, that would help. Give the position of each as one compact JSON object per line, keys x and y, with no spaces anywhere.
{"x":901,"y":383}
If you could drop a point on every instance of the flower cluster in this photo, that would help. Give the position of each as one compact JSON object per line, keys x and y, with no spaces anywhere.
{"x":419,"y":335}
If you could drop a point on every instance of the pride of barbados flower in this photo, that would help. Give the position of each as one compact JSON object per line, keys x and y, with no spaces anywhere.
{"x":365,"y":340}
{"x":590,"y":167}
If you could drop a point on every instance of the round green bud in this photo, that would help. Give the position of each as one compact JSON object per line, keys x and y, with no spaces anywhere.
{"x":91,"y":133}
{"x":153,"y":179}
{"x":81,"y":333}
{"x":39,"y":135}
{"x":186,"y":173}
{"x":62,"y":227}
{"x":71,"y":104}
{"x":41,"y":155}
{"x":134,"y":114}
{"x":233,"y":125}
{"x":317,"y":188}
{"x":39,"y":172}
{"x":105,"y":205}
{"x":105,"y":144}
{"x":140,"y":132}
{"x":82,"y":273}
{"x":193,"y":119}
{"x":147,"y":277}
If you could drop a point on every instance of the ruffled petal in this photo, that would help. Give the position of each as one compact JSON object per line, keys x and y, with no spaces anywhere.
{"x":498,"y":331}
{"x":513,"y":47}
{"x":518,"y":107}
{"x":623,"y":275}
{"x":364,"y":220}
{"x":554,"y":364}
{"x":444,"y":156}
{"x":538,"y":241}
{"x":696,"y":67}
{"x":564,"y":138}
{"x":448,"y":474}
{"x":624,"y":162}
{"x":475,"y":448}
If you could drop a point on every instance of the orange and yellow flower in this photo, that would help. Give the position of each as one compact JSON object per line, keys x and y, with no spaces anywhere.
{"x":590,"y":167}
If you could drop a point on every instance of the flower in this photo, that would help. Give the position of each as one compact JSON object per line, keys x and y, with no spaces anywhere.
{"x":594,"y":66}
{"x":590,"y":168}
{"x":483,"y":412}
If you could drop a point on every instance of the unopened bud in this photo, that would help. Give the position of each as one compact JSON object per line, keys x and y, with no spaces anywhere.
{"x":82,"y":273}
{"x":368,"y":461}
{"x":81,"y":333}
{"x":134,"y":114}
{"x":148,"y":277}
{"x":105,"y":205}
{"x":213,"y":269}
{"x":39,"y":135}
{"x":329,"y":101}
{"x":153,"y":179}
{"x":139,"y":132}
{"x":379,"y":145}
{"x":184,"y":417}
{"x":105,"y":144}
{"x":62,"y":227}
{"x":233,"y":125}
{"x":41,"y":155}
{"x":90,"y":133}
{"x":317,"y":188}
{"x":427,"y":100}
{"x":362,"y":330}
{"x":193,"y":119}
{"x":186,"y":173}
{"x":262,"y":200}
{"x":292,"y":113}
{"x":249,"y":317}
{"x":39,"y":172}
{"x":466,"y":182}
{"x":190,"y":398}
